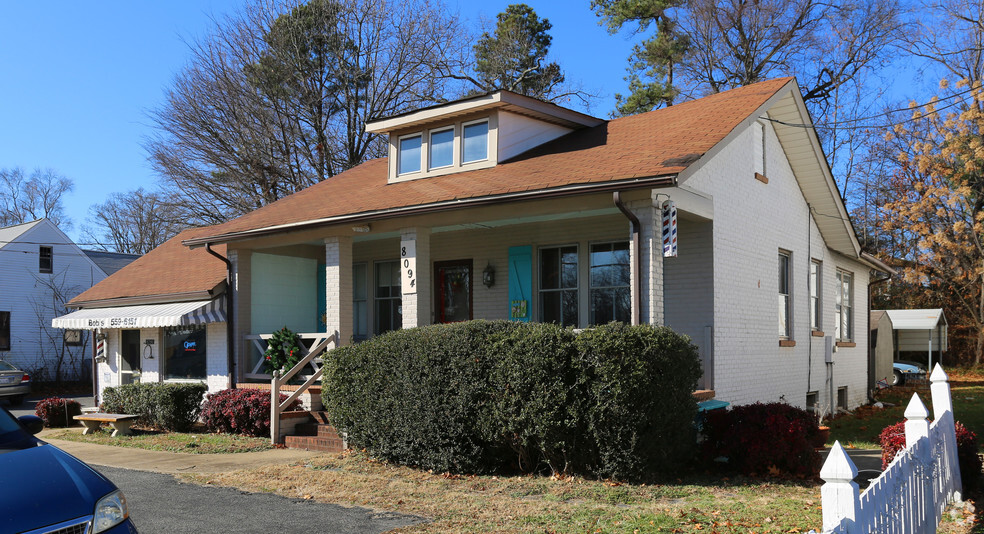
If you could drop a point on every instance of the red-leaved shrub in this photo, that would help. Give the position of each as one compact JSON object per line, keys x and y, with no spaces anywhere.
{"x":892,"y":440}
{"x":56,"y":411}
{"x":763,"y":439}
{"x":240,"y":411}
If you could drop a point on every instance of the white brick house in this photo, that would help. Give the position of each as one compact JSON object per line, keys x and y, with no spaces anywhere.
{"x":504,"y":207}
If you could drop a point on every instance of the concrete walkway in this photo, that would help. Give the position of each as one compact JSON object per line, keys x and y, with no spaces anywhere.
{"x":172,"y":462}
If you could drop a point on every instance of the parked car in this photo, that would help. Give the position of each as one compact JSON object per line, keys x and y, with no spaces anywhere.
{"x":15,"y":384}
{"x":47,"y":490}
{"x":903,"y":371}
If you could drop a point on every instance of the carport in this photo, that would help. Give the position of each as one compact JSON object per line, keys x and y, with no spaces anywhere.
{"x":918,"y":330}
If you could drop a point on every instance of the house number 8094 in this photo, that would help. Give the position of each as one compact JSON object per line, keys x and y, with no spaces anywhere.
{"x":408,"y":264}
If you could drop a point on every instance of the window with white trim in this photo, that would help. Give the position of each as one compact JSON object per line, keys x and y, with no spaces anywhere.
{"x":475,"y":141}
{"x":610,"y":291}
{"x":441,"y":148}
{"x":408,"y":159}
{"x":844,"y":307}
{"x":784,"y":294}
{"x":558,"y":285}
{"x":815,"y":286}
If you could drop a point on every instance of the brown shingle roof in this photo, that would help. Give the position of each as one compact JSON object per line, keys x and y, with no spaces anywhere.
{"x":659,"y":143}
{"x":169,"y":269}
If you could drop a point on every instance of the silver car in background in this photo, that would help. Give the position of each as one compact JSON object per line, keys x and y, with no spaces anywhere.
{"x":15,"y":384}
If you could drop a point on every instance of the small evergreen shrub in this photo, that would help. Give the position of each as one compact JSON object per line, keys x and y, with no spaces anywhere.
{"x":173,"y":407}
{"x":240,"y":411}
{"x":892,"y":440}
{"x":56,"y":411}
{"x":487,"y":396}
{"x":762,"y":439}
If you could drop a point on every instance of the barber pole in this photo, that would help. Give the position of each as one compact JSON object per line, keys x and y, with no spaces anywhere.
{"x":100,"y":350}
{"x":669,"y":229}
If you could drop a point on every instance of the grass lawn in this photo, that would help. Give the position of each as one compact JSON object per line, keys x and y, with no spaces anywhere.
{"x":861,"y":428}
{"x":196,"y":442}
{"x":455,"y":503}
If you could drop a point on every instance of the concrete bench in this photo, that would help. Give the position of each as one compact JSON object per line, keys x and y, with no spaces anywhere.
{"x":120,"y":421}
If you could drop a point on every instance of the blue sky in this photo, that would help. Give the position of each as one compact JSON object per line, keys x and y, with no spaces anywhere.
{"x":80,"y":77}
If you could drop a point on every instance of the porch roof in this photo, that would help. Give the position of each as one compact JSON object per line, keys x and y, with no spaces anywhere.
{"x":145,"y":316}
{"x":645,"y":150}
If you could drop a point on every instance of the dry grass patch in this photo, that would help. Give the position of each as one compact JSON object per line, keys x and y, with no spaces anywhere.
{"x":454,"y":503}
{"x":156,"y":440}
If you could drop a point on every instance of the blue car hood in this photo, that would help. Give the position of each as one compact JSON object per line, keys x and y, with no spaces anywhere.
{"x":44,"y":485}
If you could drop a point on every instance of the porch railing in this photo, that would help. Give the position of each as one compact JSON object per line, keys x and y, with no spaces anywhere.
{"x":276,"y":407}
{"x":915,"y":489}
{"x":256,"y":345}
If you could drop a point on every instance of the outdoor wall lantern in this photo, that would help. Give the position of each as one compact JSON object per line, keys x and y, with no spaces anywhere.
{"x":488,"y":276}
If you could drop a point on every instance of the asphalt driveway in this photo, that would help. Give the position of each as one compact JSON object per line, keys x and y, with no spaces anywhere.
{"x":160,"y":503}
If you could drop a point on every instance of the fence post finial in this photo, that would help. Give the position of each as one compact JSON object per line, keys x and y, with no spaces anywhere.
{"x":839,"y":493}
{"x":916,"y":421}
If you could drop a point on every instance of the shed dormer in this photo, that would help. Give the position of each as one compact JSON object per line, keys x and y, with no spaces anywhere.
{"x":473,"y":133}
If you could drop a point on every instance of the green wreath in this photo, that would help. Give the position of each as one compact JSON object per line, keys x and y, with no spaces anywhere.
{"x":283,"y":350}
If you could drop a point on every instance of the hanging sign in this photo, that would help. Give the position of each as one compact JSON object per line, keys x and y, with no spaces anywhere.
{"x":669,"y":229}
{"x":408,"y":266}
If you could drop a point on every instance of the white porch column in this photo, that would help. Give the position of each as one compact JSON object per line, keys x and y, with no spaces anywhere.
{"x":338,"y":287}
{"x":242,"y":303}
{"x":416,"y":299}
{"x":651,"y":250}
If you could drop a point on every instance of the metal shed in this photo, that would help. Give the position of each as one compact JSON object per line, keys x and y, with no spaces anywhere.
{"x":920,"y":330}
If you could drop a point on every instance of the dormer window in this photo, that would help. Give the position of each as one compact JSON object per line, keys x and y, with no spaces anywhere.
{"x":409,"y":158}
{"x":441,"y":148}
{"x":475,"y":141}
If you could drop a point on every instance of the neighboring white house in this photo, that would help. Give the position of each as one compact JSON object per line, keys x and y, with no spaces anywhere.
{"x":500,"y":206}
{"x":40,"y":270}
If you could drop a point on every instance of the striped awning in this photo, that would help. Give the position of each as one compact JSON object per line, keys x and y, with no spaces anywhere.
{"x":146,"y":316}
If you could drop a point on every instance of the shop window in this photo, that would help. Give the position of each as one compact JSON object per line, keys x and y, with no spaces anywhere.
{"x":45,"y":260}
{"x":388,"y":298}
{"x":184,"y":352}
{"x":4,"y":330}
{"x":558,"y":285}
{"x":610,"y":291}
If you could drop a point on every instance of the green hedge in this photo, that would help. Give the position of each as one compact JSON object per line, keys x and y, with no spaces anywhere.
{"x":484,"y":396}
{"x":172,"y":407}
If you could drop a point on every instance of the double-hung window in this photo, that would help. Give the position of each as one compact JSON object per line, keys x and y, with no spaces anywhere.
{"x":388,"y":297}
{"x":408,"y":160}
{"x":815,"y":285}
{"x":784,"y":293}
{"x":45,"y":260}
{"x":558,"y":285}
{"x":610,"y":291}
{"x":845,"y":306}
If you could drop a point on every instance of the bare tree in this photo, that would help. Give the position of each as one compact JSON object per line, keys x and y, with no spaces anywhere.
{"x":949,"y":35}
{"x":38,"y":196}
{"x":132,"y":223}
{"x":277,"y":97}
{"x":60,"y":361}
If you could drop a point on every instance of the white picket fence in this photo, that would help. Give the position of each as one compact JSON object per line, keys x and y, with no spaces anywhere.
{"x":911,"y":494}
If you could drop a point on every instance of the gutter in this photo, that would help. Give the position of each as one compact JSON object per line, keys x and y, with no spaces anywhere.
{"x":230,"y":335}
{"x":636,"y":285}
{"x":871,"y":351}
{"x":392,"y":213}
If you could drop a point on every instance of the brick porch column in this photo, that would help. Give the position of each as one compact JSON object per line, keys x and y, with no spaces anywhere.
{"x":338,"y":288}
{"x":651,"y":245}
{"x":417,"y":300}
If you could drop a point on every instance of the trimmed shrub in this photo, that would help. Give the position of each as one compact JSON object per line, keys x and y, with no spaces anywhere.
{"x":56,"y":411}
{"x":485,"y":396}
{"x":240,"y":411}
{"x":892,"y":440}
{"x":760,"y":439}
{"x":173,"y":407}
{"x":641,"y":407}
